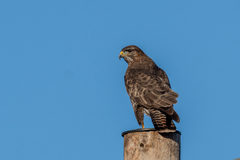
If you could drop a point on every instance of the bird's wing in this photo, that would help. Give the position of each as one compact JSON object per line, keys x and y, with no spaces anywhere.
{"x":150,"y":91}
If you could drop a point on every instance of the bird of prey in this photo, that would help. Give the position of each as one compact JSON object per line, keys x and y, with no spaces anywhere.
{"x":149,"y":90}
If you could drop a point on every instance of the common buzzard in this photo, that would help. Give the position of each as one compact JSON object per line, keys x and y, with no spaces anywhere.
{"x":149,"y":90}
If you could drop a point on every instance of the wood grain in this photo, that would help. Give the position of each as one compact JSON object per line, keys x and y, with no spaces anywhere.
{"x":152,"y":145}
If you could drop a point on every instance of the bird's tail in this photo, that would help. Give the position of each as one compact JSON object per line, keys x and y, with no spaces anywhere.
{"x":161,"y":122}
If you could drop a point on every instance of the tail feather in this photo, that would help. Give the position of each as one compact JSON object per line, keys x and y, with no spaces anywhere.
{"x":161,"y":122}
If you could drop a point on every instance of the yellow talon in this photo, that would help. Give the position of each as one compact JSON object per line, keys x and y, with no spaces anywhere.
{"x":142,"y":126}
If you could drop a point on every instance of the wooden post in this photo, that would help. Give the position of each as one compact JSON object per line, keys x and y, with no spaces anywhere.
{"x":148,"y":144}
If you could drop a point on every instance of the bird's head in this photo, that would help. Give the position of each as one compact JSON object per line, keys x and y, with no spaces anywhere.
{"x":130,"y":53}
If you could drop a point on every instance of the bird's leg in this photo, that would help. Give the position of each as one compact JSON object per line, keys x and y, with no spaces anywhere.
{"x":142,"y":126}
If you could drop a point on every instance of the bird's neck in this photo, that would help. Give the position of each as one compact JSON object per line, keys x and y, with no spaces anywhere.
{"x":142,"y":63}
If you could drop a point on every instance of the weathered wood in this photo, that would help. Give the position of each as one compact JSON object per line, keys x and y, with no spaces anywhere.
{"x":148,"y":144}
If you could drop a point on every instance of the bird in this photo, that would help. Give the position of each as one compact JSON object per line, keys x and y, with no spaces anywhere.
{"x":149,"y":90}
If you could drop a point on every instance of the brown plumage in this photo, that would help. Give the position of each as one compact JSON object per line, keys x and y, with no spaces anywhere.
{"x":149,"y":90}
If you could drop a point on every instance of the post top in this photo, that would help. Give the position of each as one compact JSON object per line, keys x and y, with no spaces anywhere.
{"x":143,"y":130}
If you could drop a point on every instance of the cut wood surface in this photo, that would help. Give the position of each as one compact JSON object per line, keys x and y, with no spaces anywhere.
{"x":150,"y":145}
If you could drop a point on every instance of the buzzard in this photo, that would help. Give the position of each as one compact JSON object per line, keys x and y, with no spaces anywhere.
{"x":149,"y":90}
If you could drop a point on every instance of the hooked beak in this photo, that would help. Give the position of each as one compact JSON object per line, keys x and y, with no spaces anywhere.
{"x":121,"y":55}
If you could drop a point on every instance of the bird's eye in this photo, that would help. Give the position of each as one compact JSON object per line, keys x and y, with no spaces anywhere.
{"x":129,"y":50}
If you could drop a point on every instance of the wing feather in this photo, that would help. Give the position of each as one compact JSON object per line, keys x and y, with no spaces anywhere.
{"x":152,"y":91}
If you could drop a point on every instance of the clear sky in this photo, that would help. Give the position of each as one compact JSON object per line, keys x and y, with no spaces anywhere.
{"x":62,"y":93}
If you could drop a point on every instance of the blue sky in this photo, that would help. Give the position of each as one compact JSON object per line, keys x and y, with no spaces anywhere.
{"x":61,"y":83}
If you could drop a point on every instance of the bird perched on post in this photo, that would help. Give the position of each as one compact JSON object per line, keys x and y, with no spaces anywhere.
{"x":149,"y":90}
